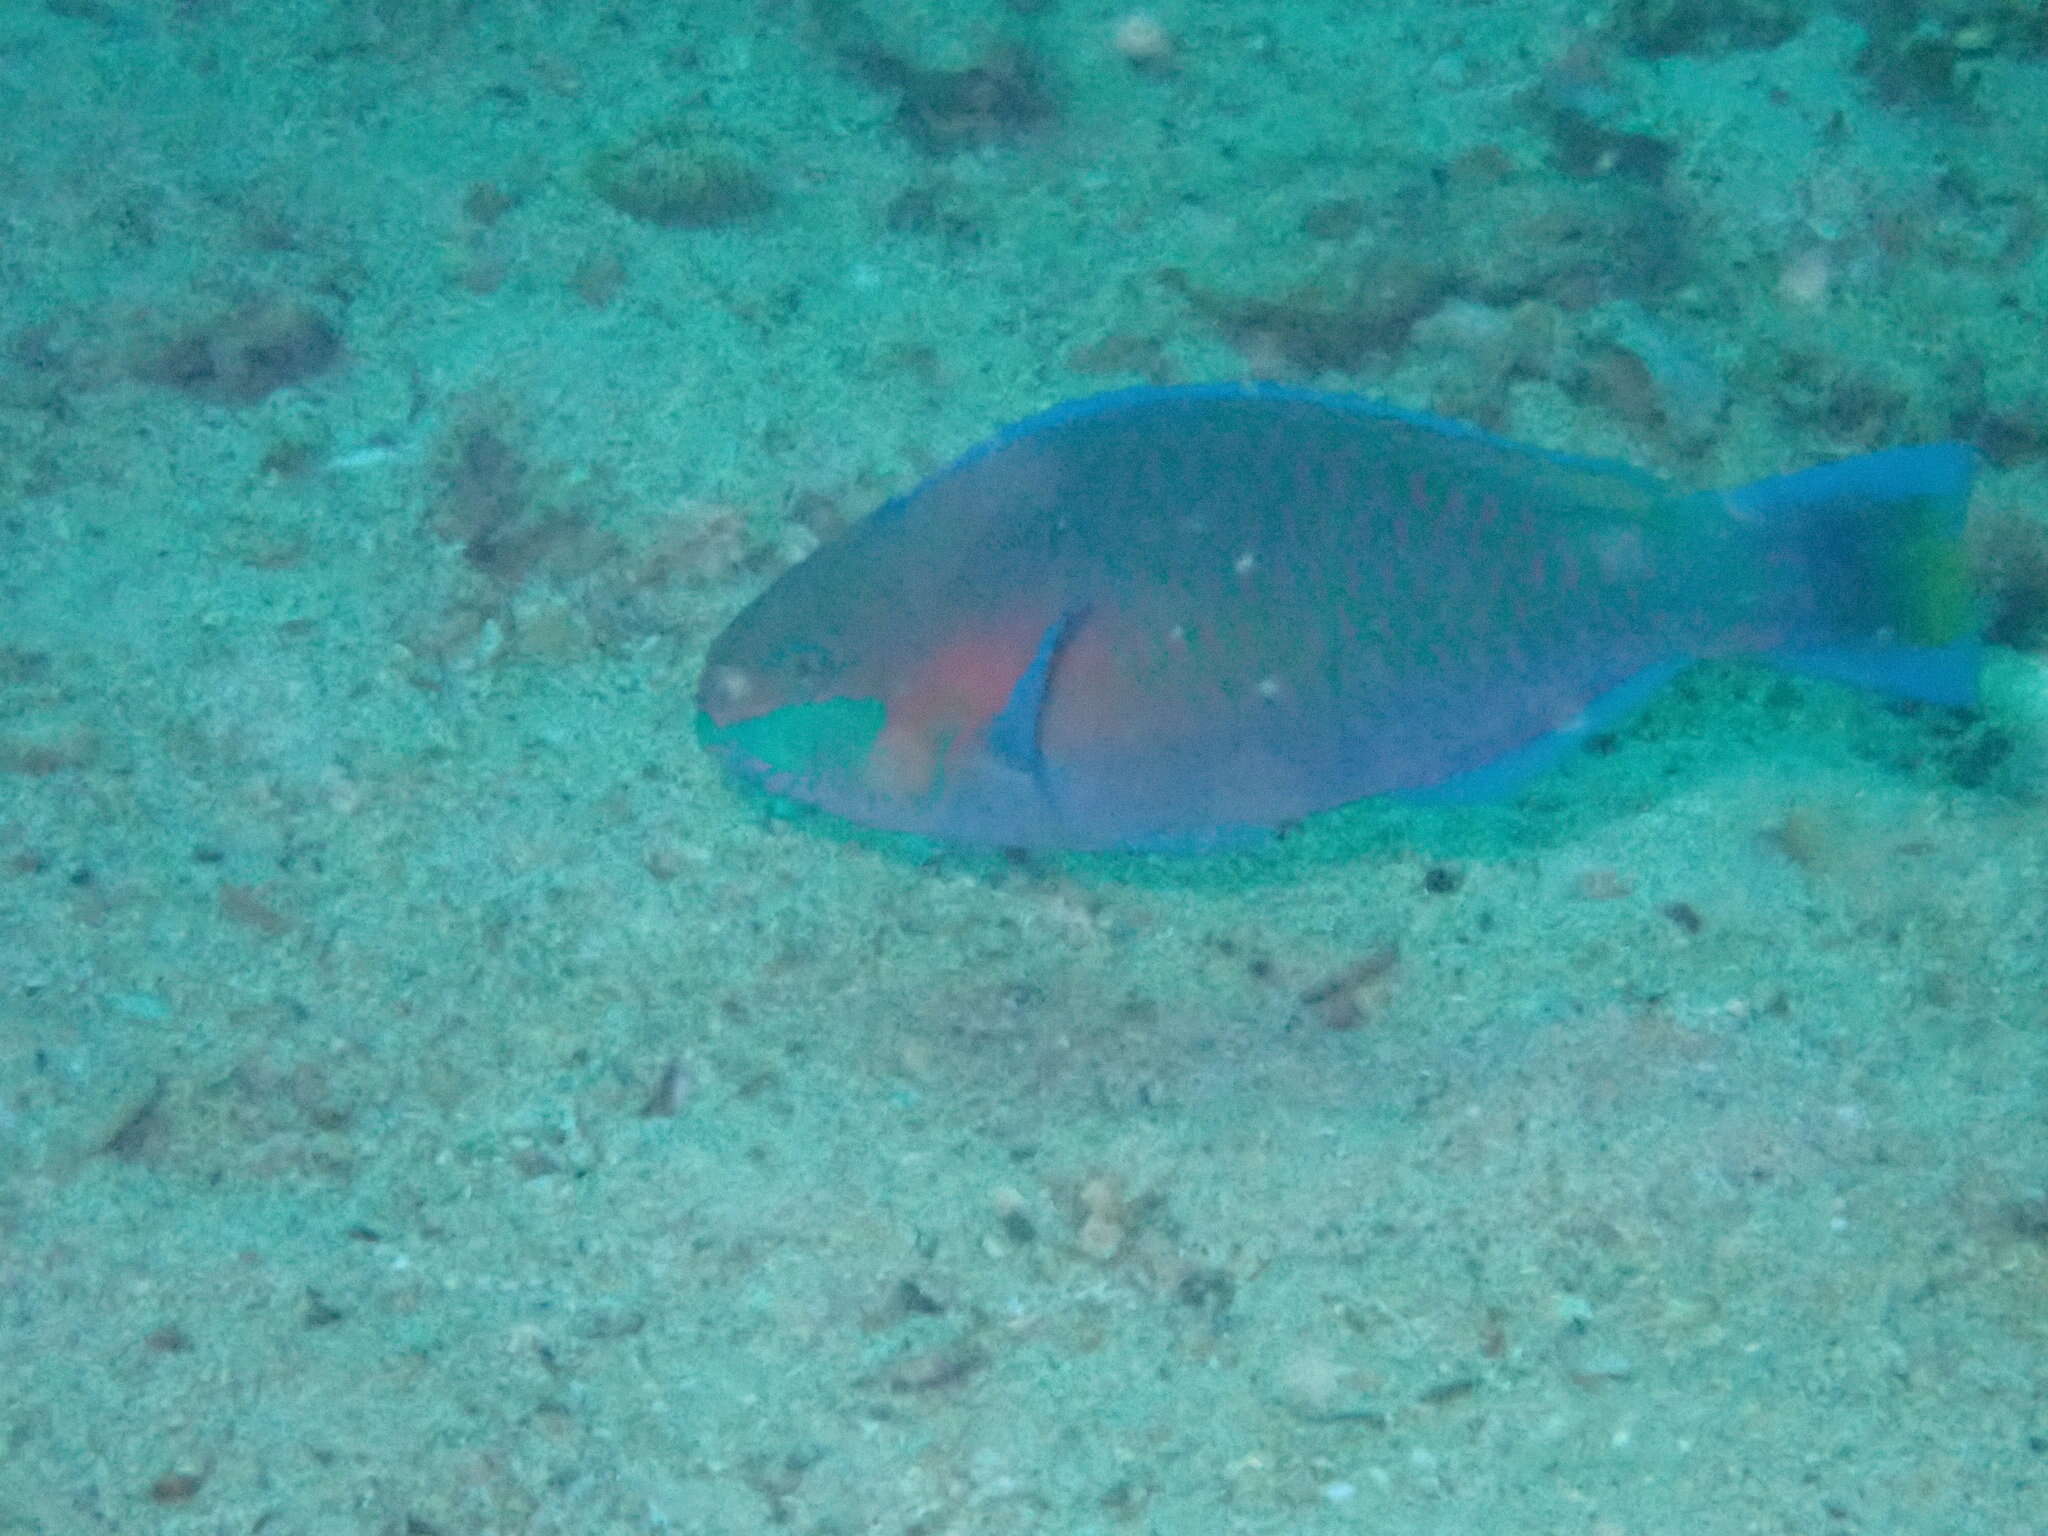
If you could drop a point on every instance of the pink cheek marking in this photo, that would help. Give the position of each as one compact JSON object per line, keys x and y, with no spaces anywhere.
{"x":937,"y":716}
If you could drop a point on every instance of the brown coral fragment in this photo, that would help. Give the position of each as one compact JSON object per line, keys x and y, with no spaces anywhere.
{"x":246,"y":354}
{"x":1003,"y":98}
{"x":1354,"y":994}
{"x":679,"y":177}
{"x":1324,"y":325}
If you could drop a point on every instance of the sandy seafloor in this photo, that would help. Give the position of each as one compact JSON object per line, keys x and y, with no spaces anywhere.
{"x":431,"y":1102}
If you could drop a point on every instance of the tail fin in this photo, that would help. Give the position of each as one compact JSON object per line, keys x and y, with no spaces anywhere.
{"x":1881,"y":538}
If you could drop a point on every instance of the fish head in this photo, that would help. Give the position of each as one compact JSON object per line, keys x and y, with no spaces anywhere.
{"x":917,"y":757}
{"x":871,"y":692}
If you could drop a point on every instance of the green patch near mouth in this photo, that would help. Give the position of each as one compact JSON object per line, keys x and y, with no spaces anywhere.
{"x":830,"y":736}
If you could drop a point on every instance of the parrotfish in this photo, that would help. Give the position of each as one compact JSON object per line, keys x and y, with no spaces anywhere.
{"x":1171,"y":618}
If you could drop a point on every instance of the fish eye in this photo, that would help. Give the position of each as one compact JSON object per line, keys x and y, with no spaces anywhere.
{"x":807,"y":664}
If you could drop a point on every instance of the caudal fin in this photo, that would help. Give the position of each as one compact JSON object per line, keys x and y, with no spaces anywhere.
{"x":1881,"y":537}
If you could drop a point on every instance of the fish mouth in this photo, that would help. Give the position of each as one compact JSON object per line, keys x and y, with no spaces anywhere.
{"x":717,"y":737}
{"x":821,"y":741}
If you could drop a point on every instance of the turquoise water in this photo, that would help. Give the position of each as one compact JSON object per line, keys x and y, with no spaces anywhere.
{"x":432,"y":1102}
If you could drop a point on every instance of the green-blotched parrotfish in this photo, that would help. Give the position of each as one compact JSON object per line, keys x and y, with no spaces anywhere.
{"x":1166,"y":618}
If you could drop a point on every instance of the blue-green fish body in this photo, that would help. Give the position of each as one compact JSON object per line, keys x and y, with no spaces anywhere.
{"x":1169,"y":617}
